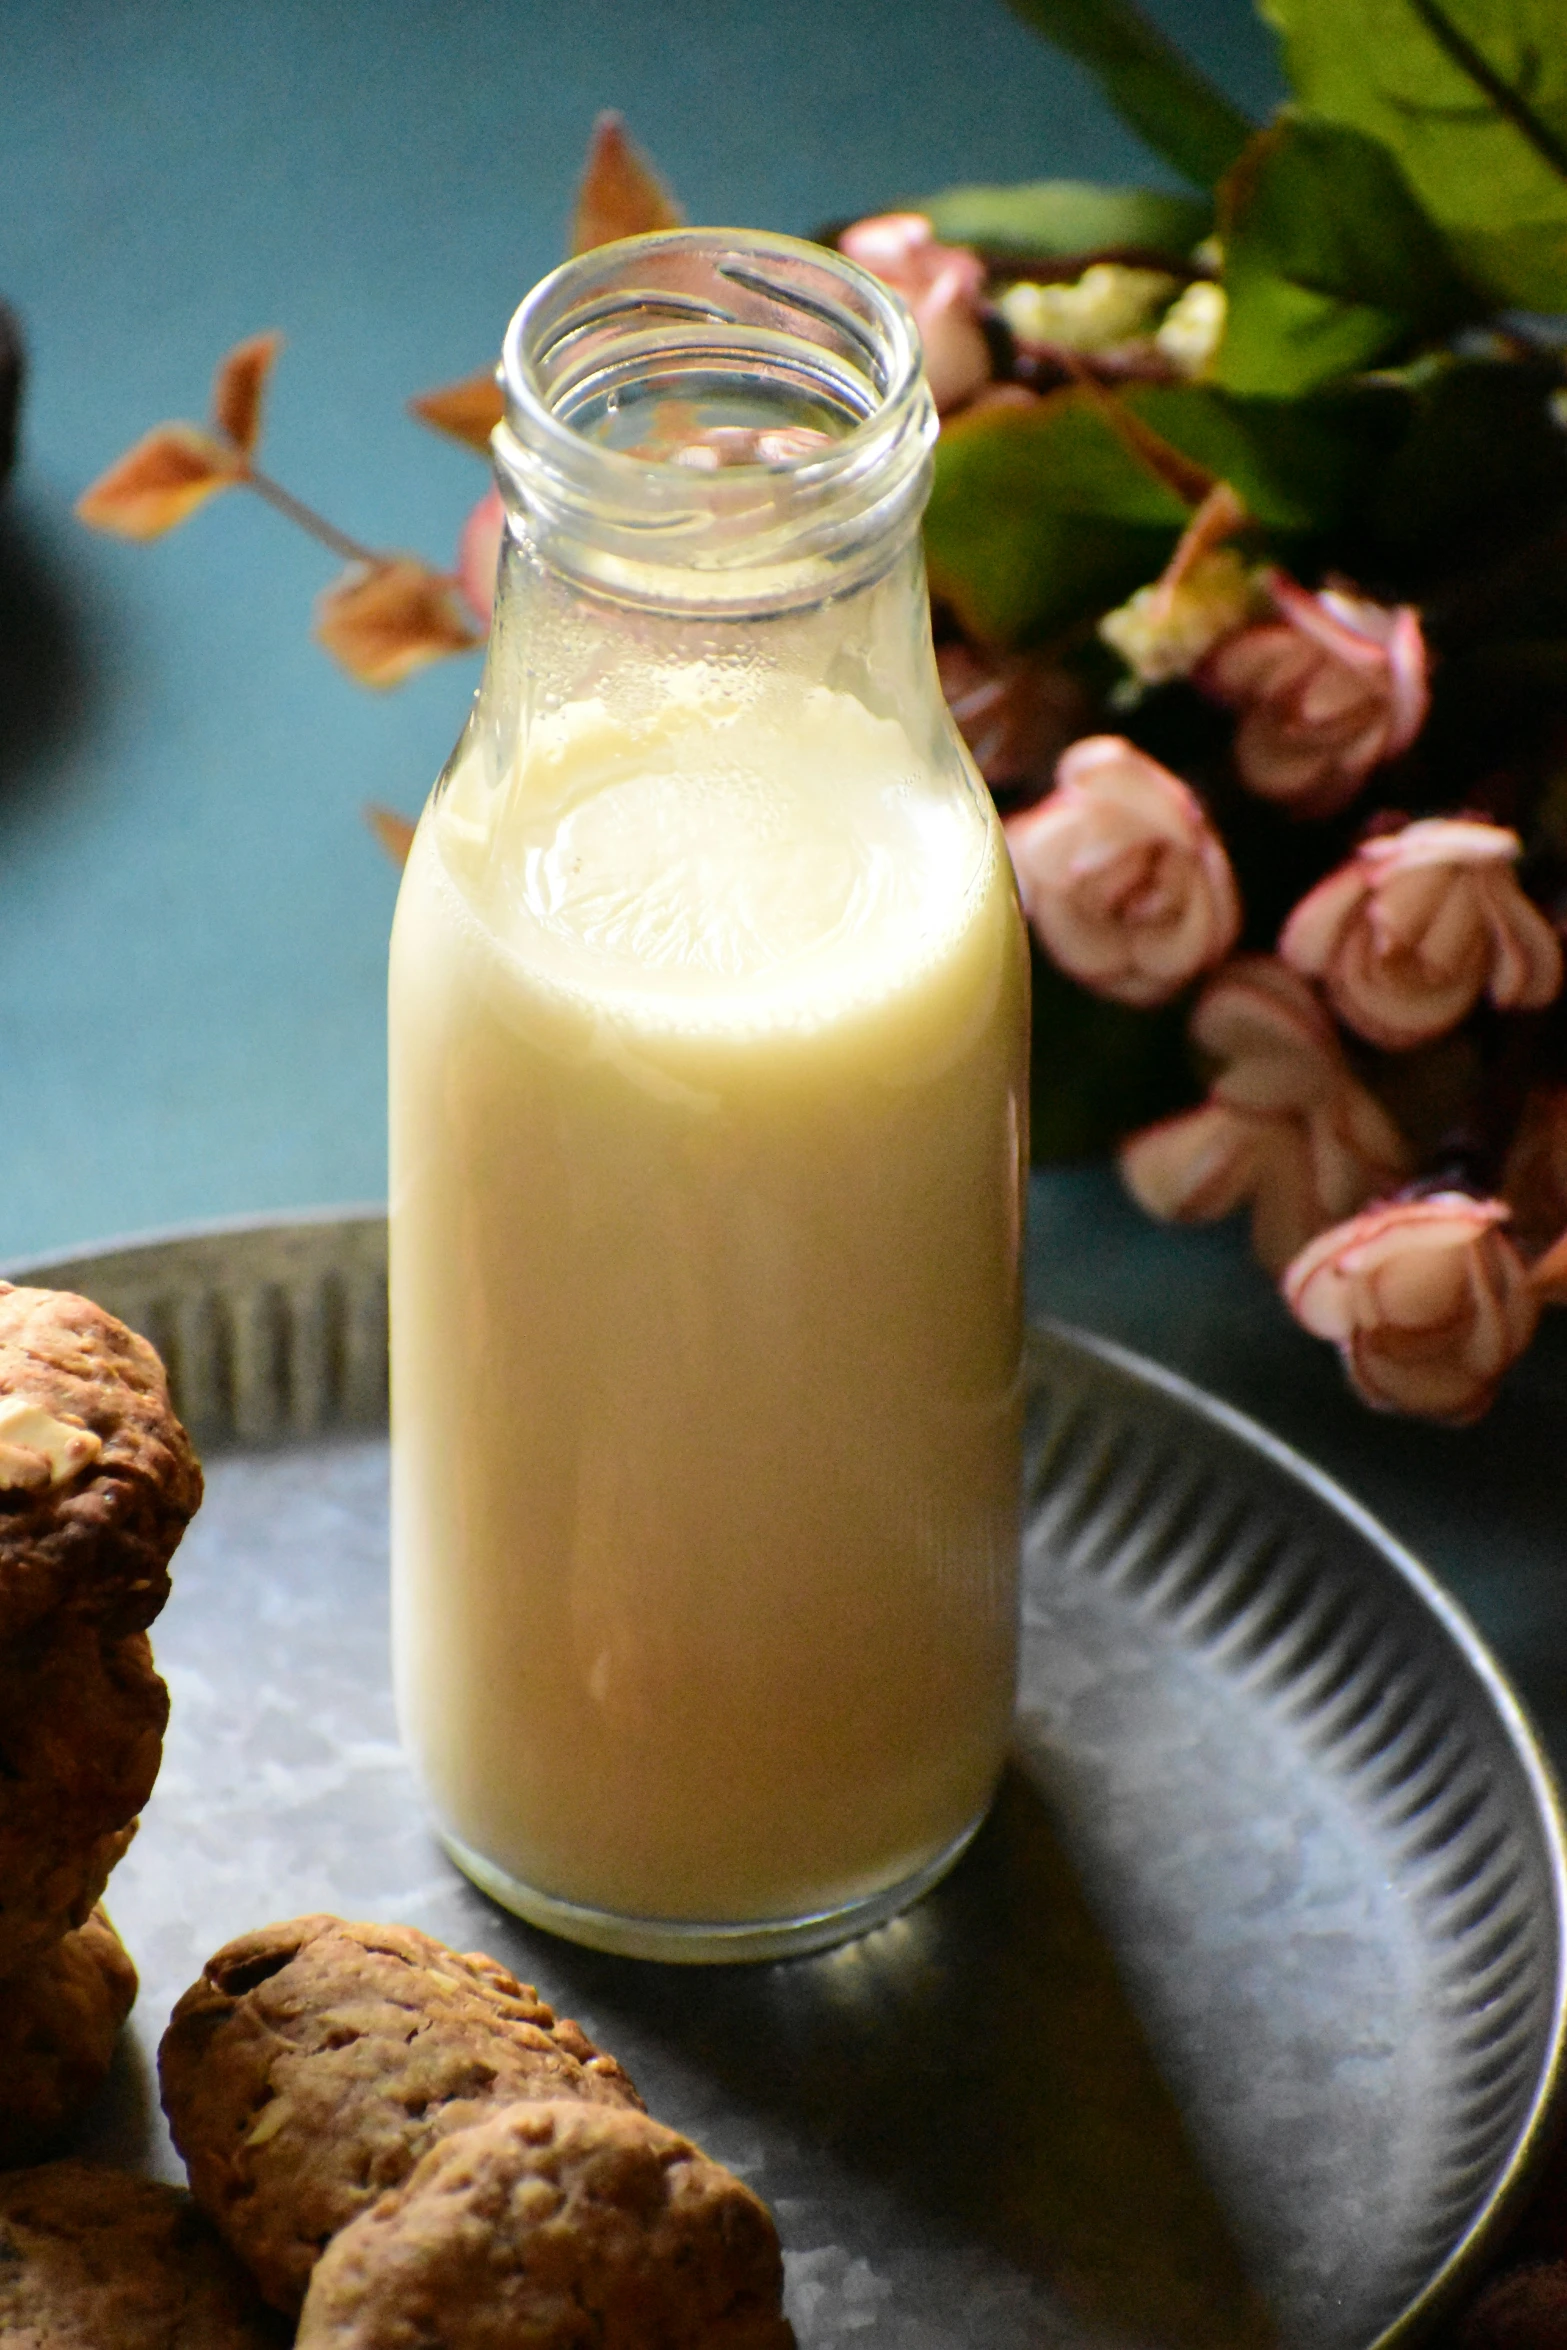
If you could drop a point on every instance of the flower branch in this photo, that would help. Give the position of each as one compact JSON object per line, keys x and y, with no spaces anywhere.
{"x":1210,"y":470}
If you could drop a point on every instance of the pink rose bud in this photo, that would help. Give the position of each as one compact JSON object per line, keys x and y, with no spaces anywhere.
{"x":1534,"y":1180}
{"x":479,"y":555}
{"x":1286,"y":1127}
{"x":1421,"y":923}
{"x":1209,"y":1162}
{"x":942,"y":285}
{"x":1016,"y":711}
{"x":1548,"y":1273}
{"x":1330,"y":690}
{"x":1427,"y":1301}
{"x":1123,"y":878}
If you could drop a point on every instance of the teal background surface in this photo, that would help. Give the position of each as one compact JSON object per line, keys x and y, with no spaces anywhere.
{"x":193,"y":918}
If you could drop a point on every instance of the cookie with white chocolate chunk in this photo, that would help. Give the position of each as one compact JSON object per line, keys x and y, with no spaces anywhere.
{"x":81,"y":1738}
{"x":97,"y":1477}
{"x":555,"y":2227}
{"x":59,"y":2019}
{"x":315,"y":2062}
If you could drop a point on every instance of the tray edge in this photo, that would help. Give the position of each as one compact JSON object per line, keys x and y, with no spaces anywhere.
{"x":56,"y":1268}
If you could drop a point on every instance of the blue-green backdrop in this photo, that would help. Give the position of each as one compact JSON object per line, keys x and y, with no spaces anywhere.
{"x":192,"y":917}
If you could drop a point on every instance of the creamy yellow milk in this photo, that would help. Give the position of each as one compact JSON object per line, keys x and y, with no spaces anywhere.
{"x":708,"y":1050}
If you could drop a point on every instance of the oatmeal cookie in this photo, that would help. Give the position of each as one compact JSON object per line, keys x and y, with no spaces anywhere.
{"x":59,"y":2020}
{"x":555,"y":2227}
{"x":81,"y":1737}
{"x":315,"y":2062}
{"x":97,"y":1477}
{"x":98,"y":2260}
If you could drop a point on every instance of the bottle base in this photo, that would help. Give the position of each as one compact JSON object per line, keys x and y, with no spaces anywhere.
{"x":683,"y":1942}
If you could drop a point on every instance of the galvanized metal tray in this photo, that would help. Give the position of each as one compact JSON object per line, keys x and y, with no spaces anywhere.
{"x":1241,"y":2018}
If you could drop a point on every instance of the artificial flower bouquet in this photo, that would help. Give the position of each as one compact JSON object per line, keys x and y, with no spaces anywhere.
{"x":1248,"y":555}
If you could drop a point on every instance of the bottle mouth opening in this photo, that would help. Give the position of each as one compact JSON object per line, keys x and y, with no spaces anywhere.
{"x":686,"y":397}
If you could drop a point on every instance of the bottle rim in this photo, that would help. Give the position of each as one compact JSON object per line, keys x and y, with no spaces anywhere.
{"x":788,"y":510}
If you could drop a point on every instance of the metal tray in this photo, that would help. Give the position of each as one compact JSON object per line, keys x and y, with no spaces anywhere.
{"x":1238,"y":2023}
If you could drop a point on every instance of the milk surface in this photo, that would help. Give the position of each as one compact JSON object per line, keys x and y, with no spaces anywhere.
{"x":708,"y":1058}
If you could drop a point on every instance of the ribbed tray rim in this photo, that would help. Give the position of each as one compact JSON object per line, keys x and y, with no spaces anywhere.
{"x":1544,"y":2117}
{"x":149,"y":1240}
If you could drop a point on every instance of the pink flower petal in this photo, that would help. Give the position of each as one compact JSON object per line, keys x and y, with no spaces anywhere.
{"x":1285,"y":1127}
{"x":479,"y":554}
{"x":1408,"y":676}
{"x":1325,"y":694}
{"x":1311,"y":936}
{"x":1344,"y":628}
{"x":1355,"y":1124}
{"x":1258,"y":1006}
{"x":1122,"y":877}
{"x":1286,"y":1209}
{"x":943,"y":286}
{"x":1440,"y":840}
{"x":1257,"y":661}
{"x":1548,"y":1275}
{"x":1419,"y":924}
{"x":1427,"y":1300}
{"x":1194,"y":1168}
{"x":1526,"y":967}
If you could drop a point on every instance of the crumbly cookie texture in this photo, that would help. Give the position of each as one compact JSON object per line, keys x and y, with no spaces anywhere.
{"x":59,"y":2019}
{"x":316,"y":2061}
{"x":81,"y":1736}
{"x":555,"y":2227}
{"x":95,"y":2259}
{"x":97,"y":1477}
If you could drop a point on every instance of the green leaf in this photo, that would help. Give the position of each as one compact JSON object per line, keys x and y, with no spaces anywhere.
{"x":1040,"y":519}
{"x":1060,"y":219}
{"x":1329,"y":263}
{"x":1153,"y":88}
{"x":1300,"y":467}
{"x":1471,"y":97}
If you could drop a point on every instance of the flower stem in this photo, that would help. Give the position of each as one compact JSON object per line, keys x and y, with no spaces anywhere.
{"x":308,"y":519}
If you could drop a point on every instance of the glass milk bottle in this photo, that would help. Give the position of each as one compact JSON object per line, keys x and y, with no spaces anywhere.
{"x":709,"y":1014}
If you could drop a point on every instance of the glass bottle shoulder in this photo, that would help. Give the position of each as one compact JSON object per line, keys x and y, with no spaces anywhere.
{"x":758,"y":849}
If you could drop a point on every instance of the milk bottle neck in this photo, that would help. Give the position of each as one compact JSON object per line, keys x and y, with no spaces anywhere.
{"x":714,"y":460}
{"x":713,"y":423}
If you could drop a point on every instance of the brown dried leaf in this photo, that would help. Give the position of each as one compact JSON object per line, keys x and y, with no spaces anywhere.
{"x":383,"y":621}
{"x":160,"y":482}
{"x":238,"y":386}
{"x":395,"y":833}
{"x":621,"y":194}
{"x":469,"y":411}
